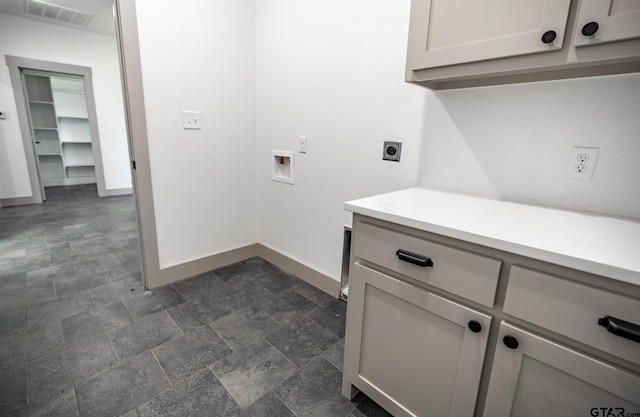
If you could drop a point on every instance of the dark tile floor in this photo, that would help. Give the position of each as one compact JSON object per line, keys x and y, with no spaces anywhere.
{"x":79,"y":335}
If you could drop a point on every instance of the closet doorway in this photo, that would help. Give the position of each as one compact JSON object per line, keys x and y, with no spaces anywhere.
{"x":63,"y":131}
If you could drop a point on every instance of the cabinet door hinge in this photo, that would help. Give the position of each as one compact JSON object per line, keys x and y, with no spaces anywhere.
{"x":133,"y":164}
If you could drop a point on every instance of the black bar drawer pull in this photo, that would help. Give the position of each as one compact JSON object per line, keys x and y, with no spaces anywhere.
{"x":414,"y":258}
{"x":621,"y":328}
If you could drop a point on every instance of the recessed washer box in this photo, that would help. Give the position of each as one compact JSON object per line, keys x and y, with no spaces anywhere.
{"x":283,"y":164}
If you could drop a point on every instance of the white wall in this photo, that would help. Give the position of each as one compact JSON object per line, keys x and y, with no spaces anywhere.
{"x":204,"y":182}
{"x":513,"y":142}
{"x":332,"y":70}
{"x":28,"y":38}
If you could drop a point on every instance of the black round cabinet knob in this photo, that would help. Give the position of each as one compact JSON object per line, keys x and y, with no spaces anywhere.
{"x":590,"y":28}
{"x":474,"y":326}
{"x":510,"y":342}
{"x":549,"y":36}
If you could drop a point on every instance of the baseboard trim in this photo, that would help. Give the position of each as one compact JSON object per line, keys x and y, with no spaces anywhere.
{"x":117,"y":191}
{"x":19,"y":201}
{"x":188,"y":269}
{"x":198,"y":266}
{"x":310,"y":275}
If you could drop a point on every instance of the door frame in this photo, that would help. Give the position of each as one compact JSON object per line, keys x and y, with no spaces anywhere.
{"x":136,"y":124}
{"x":136,"y":121}
{"x":16,"y":66}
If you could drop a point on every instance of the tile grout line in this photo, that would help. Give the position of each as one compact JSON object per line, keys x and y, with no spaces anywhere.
{"x":210,"y":325}
{"x":275,"y":393}
{"x":27,"y":363}
{"x":164,"y":373}
{"x":166,"y":310}
{"x":75,"y":395}
{"x":283,"y":355}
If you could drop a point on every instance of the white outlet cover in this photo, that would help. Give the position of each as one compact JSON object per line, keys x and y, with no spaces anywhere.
{"x":191,"y":120}
{"x":582,"y":162}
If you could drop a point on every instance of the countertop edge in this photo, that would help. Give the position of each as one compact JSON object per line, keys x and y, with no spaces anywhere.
{"x":607,"y":270}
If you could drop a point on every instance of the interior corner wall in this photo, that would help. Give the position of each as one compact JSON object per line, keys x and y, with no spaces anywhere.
{"x":203,"y":181}
{"x":28,"y":38}
{"x":513,"y":142}
{"x":333,"y":71}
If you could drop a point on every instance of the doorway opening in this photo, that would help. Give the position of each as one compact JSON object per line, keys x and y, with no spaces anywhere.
{"x":58,"y":121}
{"x":122,"y":140}
{"x":60,"y":128}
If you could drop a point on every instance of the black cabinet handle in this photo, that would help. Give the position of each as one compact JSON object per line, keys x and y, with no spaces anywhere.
{"x":414,"y":258}
{"x":549,"y":36}
{"x":474,"y":326}
{"x":621,"y":328}
{"x":590,"y":28}
{"x":510,"y":342}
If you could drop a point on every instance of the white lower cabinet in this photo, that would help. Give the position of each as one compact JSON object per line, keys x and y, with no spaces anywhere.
{"x":534,"y":376}
{"x":420,"y":339}
{"x":410,"y":350}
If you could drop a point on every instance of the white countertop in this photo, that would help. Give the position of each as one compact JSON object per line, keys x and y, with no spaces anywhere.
{"x":590,"y":242}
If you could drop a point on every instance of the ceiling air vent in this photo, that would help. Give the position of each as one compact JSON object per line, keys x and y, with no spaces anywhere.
{"x":46,"y":10}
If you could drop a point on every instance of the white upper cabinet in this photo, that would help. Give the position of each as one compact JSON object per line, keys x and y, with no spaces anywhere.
{"x":602,"y":21}
{"x":470,"y":43}
{"x":467,"y":31}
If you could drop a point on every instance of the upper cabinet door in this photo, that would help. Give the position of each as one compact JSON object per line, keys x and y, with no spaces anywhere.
{"x":446,"y":32}
{"x":601,"y":21}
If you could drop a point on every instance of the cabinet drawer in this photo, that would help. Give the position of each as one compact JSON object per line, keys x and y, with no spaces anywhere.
{"x":465,"y":274}
{"x":572,"y":309}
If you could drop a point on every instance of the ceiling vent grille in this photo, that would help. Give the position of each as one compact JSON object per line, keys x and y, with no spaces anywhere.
{"x":46,"y":10}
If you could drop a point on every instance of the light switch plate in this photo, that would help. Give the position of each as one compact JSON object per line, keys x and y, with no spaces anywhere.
{"x":302,"y":144}
{"x":191,"y":120}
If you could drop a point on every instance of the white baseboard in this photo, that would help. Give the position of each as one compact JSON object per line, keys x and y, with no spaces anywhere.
{"x":302,"y":271}
{"x":19,"y":201}
{"x":188,"y":269}
{"x":117,"y":191}
{"x":198,"y":266}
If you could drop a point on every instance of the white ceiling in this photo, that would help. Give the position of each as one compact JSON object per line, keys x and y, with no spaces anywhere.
{"x":102,"y":20}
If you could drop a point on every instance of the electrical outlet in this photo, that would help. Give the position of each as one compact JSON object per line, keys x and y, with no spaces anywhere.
{"x":582,"y":163}
{"x":391,"y":151}
{"x":582,"y":158}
